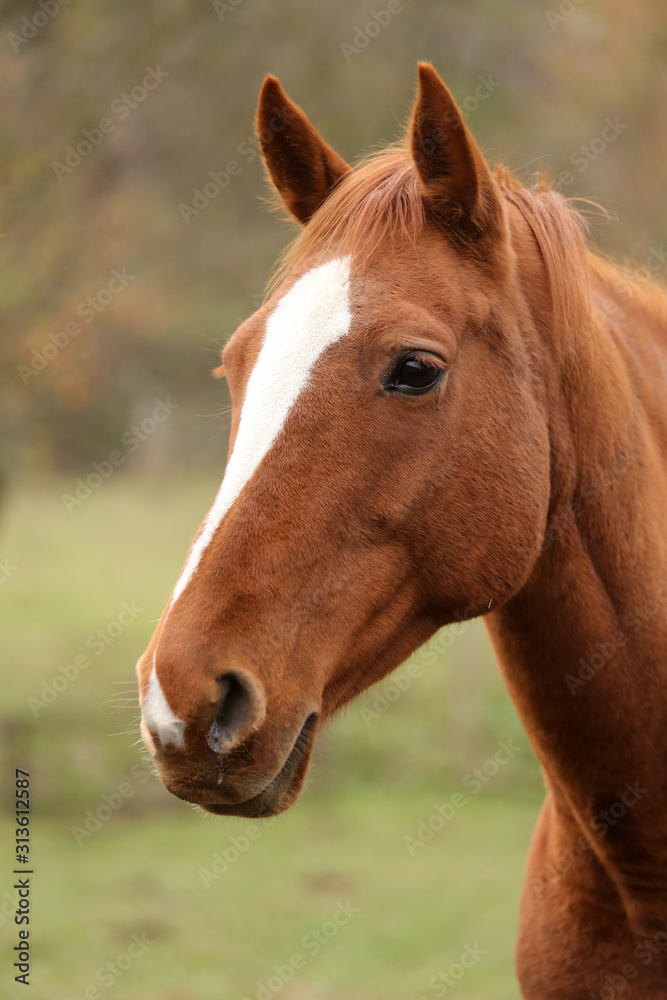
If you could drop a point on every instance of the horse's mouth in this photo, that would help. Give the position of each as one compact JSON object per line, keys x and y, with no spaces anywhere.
{"x":283,"y":790}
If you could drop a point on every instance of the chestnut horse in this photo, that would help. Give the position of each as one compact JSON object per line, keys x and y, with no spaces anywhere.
{"x":448,"y":407}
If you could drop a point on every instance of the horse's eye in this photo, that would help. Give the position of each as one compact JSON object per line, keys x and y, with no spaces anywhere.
{"x":414,"y":374}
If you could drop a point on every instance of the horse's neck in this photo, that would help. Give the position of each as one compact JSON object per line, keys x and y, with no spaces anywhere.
{"x":583,"y":644}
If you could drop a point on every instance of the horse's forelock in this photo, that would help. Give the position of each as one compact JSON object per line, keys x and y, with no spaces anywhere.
{"x":378,"y":202}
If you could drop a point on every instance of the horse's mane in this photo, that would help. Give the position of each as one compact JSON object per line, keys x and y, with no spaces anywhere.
{"x":379,"y":204}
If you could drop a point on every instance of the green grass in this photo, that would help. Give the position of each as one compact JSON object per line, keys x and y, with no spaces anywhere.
{"x":415,"y":914}
{"x":380,"y":769}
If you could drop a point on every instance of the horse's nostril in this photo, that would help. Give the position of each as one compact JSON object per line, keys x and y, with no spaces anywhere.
{"x":240,"y":710}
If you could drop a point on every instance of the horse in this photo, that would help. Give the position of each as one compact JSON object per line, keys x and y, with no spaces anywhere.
{"x":447,"y":407}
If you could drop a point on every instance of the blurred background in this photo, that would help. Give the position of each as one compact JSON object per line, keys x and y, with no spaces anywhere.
{"x":133,"y":240}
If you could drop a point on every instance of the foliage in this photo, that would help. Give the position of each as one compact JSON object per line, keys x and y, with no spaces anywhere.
{"x":548,"y":83}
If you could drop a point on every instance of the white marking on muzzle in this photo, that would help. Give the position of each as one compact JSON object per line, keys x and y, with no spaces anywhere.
{"x":157,"y":716}
{"x":311,"y":316}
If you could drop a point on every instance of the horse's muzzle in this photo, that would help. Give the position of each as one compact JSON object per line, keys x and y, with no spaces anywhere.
{"x":236,"y":764}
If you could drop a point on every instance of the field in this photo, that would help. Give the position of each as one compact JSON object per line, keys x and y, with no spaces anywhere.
{"x":364,"y":891}
{"x":136,"y":234}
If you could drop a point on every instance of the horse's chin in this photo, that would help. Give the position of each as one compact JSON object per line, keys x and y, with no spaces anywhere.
{"x":283,"y":790}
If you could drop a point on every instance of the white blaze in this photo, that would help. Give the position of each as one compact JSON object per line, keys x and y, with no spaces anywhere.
{"x":314,"y":314}
{"x":158,"y":716}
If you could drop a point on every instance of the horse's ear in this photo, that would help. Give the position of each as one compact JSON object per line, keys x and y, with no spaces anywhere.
{"x":456,"y":181}
{"x":302,"y":166}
